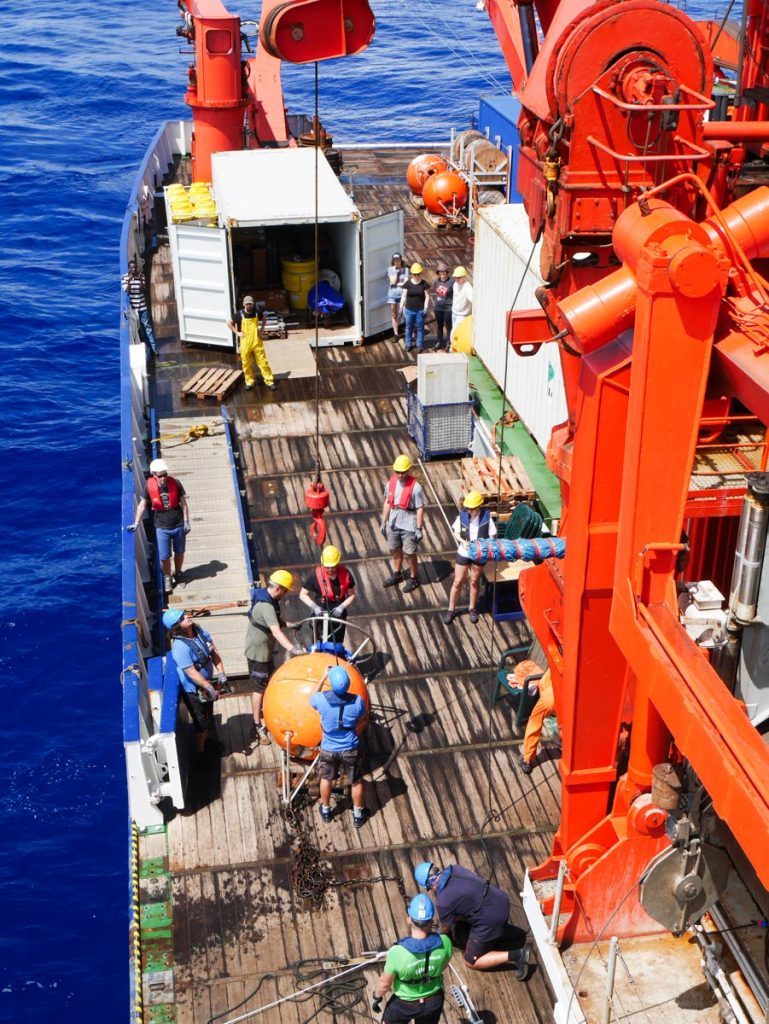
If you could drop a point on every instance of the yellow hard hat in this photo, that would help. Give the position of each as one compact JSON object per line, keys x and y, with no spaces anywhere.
{"x":473,"y":499}
{"x":402,"y":464}
{"x":330,"y":556}
{"x":415,"y":268}
{"x":460,"y":272}
{"x":282,"y":578}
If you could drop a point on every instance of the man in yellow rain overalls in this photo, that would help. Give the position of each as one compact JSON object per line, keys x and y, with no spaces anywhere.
{"x":246,"y":325}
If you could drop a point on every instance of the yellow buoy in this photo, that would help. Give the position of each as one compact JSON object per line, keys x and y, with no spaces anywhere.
{"x":462,"y":336}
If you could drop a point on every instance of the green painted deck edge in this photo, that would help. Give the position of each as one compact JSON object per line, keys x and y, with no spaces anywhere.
{"x":517,"y":440}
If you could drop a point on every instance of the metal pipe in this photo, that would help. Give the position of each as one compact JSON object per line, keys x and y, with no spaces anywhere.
{"x":736,"y":131}
{"x":610,"y":970}
{"x":528,"y":35}
{"x":750,"y":549}
{"x":557,"y":902}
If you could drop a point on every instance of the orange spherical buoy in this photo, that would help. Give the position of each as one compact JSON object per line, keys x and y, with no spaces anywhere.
{"x":287,"y":701}
{"x":445,"y":193}
{"x":423,"y":167}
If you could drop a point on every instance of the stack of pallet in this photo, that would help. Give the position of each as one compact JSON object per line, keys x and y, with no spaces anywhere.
{"x":503,"y":483}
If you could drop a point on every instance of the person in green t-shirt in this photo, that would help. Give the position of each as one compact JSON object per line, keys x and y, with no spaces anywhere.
{"x":414,"y":970}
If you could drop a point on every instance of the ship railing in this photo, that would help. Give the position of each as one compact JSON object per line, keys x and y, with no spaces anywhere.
{"x":150,"y":752}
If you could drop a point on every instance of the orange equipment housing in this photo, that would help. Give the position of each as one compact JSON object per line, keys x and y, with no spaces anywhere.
{"x":659,"y":359}
{"x":423,"y":167}
{"x":287,"y":711}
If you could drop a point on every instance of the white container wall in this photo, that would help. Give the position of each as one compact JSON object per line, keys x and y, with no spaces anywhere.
{"x":534,"y":384}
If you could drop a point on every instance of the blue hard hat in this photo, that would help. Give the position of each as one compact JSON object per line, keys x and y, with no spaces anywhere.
{"x":172,"y":617}
{"x":421,"y":909}
{"x":339,"y":679}
{"x":422,"y":872}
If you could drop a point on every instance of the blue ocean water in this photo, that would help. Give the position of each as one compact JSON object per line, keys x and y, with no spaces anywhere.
{"x":84,"y":85}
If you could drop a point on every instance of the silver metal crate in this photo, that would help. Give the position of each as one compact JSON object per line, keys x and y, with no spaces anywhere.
{"x":440,"y":429}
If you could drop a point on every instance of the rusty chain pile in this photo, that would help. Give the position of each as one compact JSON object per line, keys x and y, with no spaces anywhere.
{"x":311,"y":879}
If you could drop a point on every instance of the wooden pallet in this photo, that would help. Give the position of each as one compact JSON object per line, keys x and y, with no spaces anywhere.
{"x":511,"y":484}
{"x":212,"y":382}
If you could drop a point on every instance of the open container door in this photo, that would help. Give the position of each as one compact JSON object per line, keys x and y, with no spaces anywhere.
{"x":382,"y":236}
{"x":201,"y":283}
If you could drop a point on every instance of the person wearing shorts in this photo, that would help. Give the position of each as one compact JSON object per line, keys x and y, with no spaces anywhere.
{"x":397,"y":276}
{"x":166,"y":496}
{"x":342,"y":716}
{"x":263,"y":632}
{"x":461,"y":895}
{"x":473,"y":523}
{"x":402,"y":517}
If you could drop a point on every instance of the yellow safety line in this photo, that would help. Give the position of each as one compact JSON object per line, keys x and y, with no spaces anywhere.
{"x":137,"y":937}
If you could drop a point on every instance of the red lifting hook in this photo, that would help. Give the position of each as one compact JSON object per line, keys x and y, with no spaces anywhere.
{"x":316,"y":498}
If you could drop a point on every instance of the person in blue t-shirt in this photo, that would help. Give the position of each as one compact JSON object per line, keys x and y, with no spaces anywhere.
{"x":340,"y":715}
{"x":201,"y":673}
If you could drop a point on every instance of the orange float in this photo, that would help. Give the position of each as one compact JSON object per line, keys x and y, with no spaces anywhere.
{"x":423,"y":168}
{"x":287,"y":701}
{"x":445,"y":193}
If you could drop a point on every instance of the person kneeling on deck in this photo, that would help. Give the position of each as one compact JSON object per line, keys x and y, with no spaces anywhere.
{"x":245,"y":324}
{"x":331,"y":588}
{"x":414,"y":970}
{"x":197,"y":663}
{"x":473,"y":523}
{"x":402,"y":517}
{"x":461,"y":895}
{"x":264,"y":631}
{"x":340,"y":714}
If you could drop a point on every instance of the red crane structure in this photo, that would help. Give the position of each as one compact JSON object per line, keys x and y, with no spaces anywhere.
{"x":652,"y":221}
{"x":647,"y":193}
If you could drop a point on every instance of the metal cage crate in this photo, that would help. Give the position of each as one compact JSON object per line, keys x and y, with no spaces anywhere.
{"x":440,"y":429}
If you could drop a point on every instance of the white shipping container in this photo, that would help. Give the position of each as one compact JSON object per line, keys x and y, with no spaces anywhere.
{"x":443,"y":378}
{"x":533,"y":384}
{"x":274,"y":189}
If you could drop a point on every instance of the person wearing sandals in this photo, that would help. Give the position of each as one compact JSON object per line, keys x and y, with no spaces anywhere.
{"x":473,"y":523}
{"x":402,"y":517}
{"x":397,"y":276}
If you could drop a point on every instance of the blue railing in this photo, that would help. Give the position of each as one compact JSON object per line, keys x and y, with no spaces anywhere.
{"x":131,"y":677}
{"x":248,"y":548}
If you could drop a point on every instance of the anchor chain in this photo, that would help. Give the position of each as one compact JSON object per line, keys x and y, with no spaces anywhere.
{"x":311,"y":879}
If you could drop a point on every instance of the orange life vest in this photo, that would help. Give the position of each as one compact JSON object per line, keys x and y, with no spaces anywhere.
{"x":326,"y":587}
{"x":405,"y":496}
{"x":156,"y":499}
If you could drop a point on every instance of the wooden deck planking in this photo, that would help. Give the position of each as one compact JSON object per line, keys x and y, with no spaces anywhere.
{"x":366,"y":914}
{"x":271,"y":496}
{"x":215,"y":562}
{"x":236,"y":918}
{"x":351,"y":451}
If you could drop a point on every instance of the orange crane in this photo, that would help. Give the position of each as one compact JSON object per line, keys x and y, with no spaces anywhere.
{"x":652,"y":219}
{"x":237,"y":102}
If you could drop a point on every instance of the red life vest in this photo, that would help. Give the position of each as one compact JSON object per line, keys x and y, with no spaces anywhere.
{"x":326,"y":587}
{"x":405,"y":496}
{"x":153,"y":489}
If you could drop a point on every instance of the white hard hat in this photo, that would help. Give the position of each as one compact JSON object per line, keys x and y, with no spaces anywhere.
{"x":158,"y":466}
